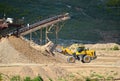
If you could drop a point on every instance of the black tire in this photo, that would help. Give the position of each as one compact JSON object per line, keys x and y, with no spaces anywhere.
{"x":71,"y":59}
{"x":86,"y":59}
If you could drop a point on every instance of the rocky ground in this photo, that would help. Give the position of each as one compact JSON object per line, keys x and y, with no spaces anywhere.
{"x":20,"y":57}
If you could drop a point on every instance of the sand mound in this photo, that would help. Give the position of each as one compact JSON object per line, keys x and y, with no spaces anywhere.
{"x":9,"y":54}
{"x":17,"y":50}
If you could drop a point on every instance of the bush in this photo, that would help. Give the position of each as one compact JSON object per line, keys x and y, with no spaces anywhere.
{"x":50,"y":79}
{"x":88,"y":79}
{"x":27,"y":79}
{"x":95,"y":79}
{"x":115,"y":48}
{"x":38,"y":78}
{"x":16,"y":78}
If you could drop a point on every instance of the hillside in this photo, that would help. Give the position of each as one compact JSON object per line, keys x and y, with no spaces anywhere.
{"x":94,"y":24}
{"x":91,"y":20}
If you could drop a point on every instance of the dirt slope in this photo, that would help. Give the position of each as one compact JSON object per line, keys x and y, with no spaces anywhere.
{"x":9,"y":54}
{"x":16,"y":50}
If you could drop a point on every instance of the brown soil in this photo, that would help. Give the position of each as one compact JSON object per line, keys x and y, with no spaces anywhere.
{"x":35,"y":56}
{"x":18,"y":57}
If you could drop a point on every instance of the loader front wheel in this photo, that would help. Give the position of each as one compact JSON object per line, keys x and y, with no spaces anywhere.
{"x":86,"y":59}
{"x":71,"y":59}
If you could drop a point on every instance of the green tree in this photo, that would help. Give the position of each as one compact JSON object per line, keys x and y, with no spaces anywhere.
{"x":113,"y":3}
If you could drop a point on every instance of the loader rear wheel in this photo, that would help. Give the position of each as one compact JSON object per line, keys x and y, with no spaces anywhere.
{"x":86,"y":59}
{"x":71,"y":59}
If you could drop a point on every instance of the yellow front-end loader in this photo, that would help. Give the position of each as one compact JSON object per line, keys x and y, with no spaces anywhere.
{"x":82,"y":54}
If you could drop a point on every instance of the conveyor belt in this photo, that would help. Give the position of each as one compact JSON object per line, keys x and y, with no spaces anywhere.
{"x":36,"y":26}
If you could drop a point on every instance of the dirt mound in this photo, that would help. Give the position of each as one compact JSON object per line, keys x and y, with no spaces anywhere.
{"x":9,"y":54}
{"x":17,"y":50}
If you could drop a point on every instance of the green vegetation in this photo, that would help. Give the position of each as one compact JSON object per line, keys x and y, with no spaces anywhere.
{"x":89,"y":79}
{"x":113,"y":3}
{"x":0,"y":77}
{"x":71,"y":77}
{"x":27,"y":79}
{"x":116,"y":73}
{"x":18,"y":78}
{"x":115,"y":48}
{"x":50,"y":79}
{"x":109,"y":76}
{"x":97,"y":75}
{"x":38,"y":78}
{"x":87,"y":16}
{"x":62,"y":79}
{"x":6,"y":8}
{"x":68,"y":77}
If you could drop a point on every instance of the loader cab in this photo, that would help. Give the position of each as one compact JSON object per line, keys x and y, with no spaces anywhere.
{"x":80,"y":49}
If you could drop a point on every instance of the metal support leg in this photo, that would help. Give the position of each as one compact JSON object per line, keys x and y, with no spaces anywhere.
{"x":46,"y":34}
{"x":56,"y":32}
{"x":41,"y":36}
